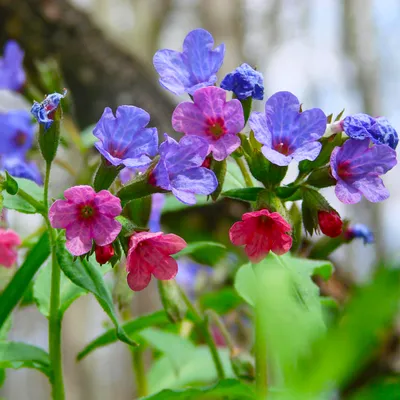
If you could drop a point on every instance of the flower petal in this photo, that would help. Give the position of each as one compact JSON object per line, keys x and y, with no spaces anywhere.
{"x":169,"y":243}
{"x":309,"y":151}
{"x":233,"y":116}
{"x":138,"y":276}
{"x":108,"y":204}
{"x":184,"y":197}
{"x":166,"y":269}
{"x":275,"y":157}
{"x":105,"y":230}
{"x":224,"y":146}
{"x":198,"y":180}
{"x":346,"y":193}
{"x":79,"y":240}
{"x":372,"y":188}
{"x":189,"y":119}
{"x":62,"y":213}
{"x":80,"y":194}
{"x":258,"y":123}
{"x":211,"y":101}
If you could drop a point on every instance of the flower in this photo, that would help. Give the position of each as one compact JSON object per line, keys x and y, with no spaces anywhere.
{"x":245,"y":82}
{"x":20,"y":168}
{"x":44,"y":111}
{"x":286,"y":133}
{"x":124,"y":139}
{"x":330,"y":223}
{"x":86,"y":216}
{"x":9,"y":240}
{"x":360,"y":231}
{"x":12,"y":75}
{"x":180,"y":170}
{"x":212,"y":118}
{"x":379,"y":130}
{"x":17,"y":132}
{"x":157,"y":204}
{"x":150,"y":253}
{"x":261,"y":232}
{"x":194,"y":68}
{"x":104,"y":253}
{"x":357,"y":167}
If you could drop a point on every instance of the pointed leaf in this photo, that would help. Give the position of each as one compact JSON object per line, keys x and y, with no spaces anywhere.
{"x":245,"y":194}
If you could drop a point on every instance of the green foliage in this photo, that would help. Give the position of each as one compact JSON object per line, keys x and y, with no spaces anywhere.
{"x":10,"y":185}
{"x":231,"y":389}
{"x":85,"y":275}
{"x":172,"y":204}
{"x":245,"y":194}
{"x":21,"y":355}
{"x":219,"y":168}
{"x":131,"y":328}
{"x":207,"y":253}
{"x":221,"y":301}
{"x":233,"y":178}
{"x":15,"y":290}
{"x":385,"y":389}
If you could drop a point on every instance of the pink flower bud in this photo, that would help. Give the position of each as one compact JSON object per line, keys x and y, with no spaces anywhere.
{"x":104,"y":253}
{"x":330,"y":223}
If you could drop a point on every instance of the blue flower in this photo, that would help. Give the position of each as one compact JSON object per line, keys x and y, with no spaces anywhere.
{"x":180,"y":170}
{"x":192,"y":69}
{"x":360,"y":231}
{"x":244,"y":82}
{"x":286,"y":133}
{"x":20,"y":168}
{"x":124,"y":139}
{"x":44,"y":111}
{"x":17,"y":132}
{"x":379,"y":130}
{"x":12,"y":75}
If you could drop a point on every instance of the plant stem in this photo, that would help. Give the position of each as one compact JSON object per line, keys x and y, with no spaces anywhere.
{"x":260,"y":355}
{"x":29,"y":199}
{"x":54,"y":317}
{"x":140,"y":373}
{"x":221,"y":326}
{"x":244,"y":171}
{"x":202,"y":326}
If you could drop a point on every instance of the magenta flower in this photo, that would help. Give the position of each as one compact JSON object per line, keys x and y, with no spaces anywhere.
{"x":9,"y":240}
{"x":150,"y":254}
{"x":357,"y":167}
{"x":86,"y":216}
{"x":212,"y":118}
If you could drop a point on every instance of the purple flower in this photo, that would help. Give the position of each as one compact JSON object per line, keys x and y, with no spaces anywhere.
{"x":379,"y":130}
{"x":245,"y":82}
{"x":12,"y":75}
{"x":192,"y":69}
{"x":357,"y":167}
{"x":180,"y":170}
{"x":360,"y":231}
{"x":124,"y":139}
{"x":286,"y":133}
{"x":44,"y":111}
{"x":17,"y":132}
{"x":213,"y":118}
{"x":20,"y":168}
{"x":157,"y":204}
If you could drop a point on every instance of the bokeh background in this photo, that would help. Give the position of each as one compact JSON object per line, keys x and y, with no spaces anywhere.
{"x":332,"y":54}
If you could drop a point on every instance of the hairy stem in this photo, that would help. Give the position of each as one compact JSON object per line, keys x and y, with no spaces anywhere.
{"x":244,"y":171}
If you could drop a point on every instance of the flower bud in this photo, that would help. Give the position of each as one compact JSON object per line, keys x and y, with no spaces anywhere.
{"x":104,"y":253}
{"x":330,"y":223}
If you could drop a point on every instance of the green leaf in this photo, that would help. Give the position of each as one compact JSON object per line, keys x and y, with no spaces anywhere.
{"x":231,"y":389}
{"x":386,"y":389}
{"x":10,"y":185}
{"x":131,"y":328}
{"x":199,"y":368}
{"x":21,"y":355}
{"x":88,"y":277}
{"x":246,"y":194}
{"x":221,"y":301}
{"x":18,"y":203}
{"x":204,"y":252}
{"x":172,"y":204}
{"x":14,"y":291}
{"x":233,"y":178}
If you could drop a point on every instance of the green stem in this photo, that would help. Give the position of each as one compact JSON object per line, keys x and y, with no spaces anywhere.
{"x":55,"y":316}
{"x":221,"y":326}
{"x":244,"y":171}
{"x":140,"y":372}
{"x":29,"y":199}
{"x":202,"y":326}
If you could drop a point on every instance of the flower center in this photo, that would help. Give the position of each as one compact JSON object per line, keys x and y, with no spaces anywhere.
{"x":344,"y":170}
{"x":216,"y":127}
{"x":20,"y":138}
{"x":86,"y":211}
{"x":283,"y":148}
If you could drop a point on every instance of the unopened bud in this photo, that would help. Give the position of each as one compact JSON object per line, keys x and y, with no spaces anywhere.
{"x":330,"y":223}
{"x":104,"y":253}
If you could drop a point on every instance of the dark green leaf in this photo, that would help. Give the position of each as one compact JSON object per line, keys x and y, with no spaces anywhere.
{"x":21,"y":355}
{"x":10,"y":185}
{"x":246,"y":194}
{"x":226,"y":389}
{"x":386,"y":389}
{"x":131,"y":328}
{"x":85,"y":275}
{"x":219,"y":168}
{"x":14,"y":291}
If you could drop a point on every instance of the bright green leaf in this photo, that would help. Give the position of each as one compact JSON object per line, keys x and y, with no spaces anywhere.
{"x":194,"y":247}
{"x":14,"y":291}
{"x":233,"y":178}
{"x":245,"y":194}
{"x":221,"y":301}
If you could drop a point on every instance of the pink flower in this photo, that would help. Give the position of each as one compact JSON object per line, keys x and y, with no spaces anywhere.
{"x":212,"y":118}
{"x":9,"y":240}
{"x":150,"y":253}
{"x":86,"y":216}
{"x":261,"y":232}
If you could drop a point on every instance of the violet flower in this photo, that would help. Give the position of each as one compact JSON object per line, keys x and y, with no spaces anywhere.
{"x":44,"y":111}
{"x":192,"y":69}
{"x":124,"y":139}
{"x":20,"y":168}
{"x":180,"y":170}
{"x":213,"y":118}
{"x":379,"y":130}
{"x":356,"y":166}
{"x":286,"y":133}
{"x":12,"y":75}
{"x":360,"y":231}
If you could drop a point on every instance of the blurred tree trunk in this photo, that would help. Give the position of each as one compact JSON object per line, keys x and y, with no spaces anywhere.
{"x":97,"y":72}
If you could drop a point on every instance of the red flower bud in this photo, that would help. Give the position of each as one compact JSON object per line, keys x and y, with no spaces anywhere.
{"x":104,"y":253}
{"x":330,"y":223}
